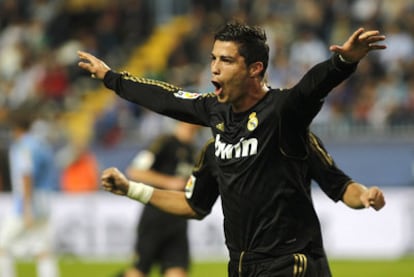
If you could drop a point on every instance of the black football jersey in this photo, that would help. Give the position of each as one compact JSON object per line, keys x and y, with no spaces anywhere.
{"x":202,"y":190}
{"x":261,"y":154}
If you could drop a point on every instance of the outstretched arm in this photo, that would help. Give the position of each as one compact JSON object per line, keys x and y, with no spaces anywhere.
{"x":358,"y":196}
{"x":155,"y":95}
{"x":173,"y":202}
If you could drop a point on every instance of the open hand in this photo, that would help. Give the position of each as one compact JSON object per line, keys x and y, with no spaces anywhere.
{"x":359,"y":44}
{"x":95,"y":66}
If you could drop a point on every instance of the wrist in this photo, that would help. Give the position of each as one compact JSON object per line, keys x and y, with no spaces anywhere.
{"x":140,"y":192}
{"x":342,"y":59}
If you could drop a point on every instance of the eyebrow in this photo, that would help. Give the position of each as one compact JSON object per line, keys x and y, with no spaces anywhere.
{"x":223,"y":57}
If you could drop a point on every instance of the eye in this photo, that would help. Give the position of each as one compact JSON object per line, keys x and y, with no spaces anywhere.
{"x":227,"y":60}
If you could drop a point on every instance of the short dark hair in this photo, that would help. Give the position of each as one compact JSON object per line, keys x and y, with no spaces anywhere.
{"x":251,"y":40}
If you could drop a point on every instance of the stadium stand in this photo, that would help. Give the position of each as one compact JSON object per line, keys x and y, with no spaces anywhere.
{"x":152,"y":54}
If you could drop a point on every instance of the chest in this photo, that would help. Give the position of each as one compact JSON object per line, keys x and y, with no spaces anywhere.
{"x":243,"y":135}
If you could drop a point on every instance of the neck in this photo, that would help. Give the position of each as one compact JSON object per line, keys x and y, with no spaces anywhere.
{"x":254,"y":94}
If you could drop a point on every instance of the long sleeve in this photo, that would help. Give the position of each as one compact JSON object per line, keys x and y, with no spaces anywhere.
{"x":323,"y":77}
{"x":332,"y":180}
{"x":307,"y":96}
{"x":160,"y":97}
{"x":303,"y":102}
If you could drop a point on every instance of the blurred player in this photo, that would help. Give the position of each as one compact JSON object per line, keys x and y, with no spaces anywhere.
{"x":33,"y":176}
{"x":162,"y":237}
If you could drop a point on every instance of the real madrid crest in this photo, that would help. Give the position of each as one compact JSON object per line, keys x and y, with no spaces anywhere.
{"x":253,"y":122}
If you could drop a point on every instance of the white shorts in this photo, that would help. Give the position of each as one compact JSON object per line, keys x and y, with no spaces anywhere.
{"x":23,"y":242}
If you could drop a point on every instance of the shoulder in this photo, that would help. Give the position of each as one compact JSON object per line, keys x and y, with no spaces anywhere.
{"x":276,"y":96}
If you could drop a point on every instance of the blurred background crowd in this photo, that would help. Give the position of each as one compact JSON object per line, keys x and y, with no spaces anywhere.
{"x":171,"y":41}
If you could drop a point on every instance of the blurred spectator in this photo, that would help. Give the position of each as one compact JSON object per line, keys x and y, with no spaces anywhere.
{"x":81,"y":173}
{"x":400,"y":48}
{"x":78,"y":165}
{"x":53,"y":84}
{"x":38,"y":39}
{"x":306,"y":50}
{"x":27,"y":231}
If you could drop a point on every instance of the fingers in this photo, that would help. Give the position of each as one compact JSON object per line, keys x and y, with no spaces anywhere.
{"x":353,"y":39}
{"x":374,"y":39}
{"x":108,"y":179}
{"x":364,"y":35}
{"x":377,"y":200}
{"x":114,"y":181}
{"x":356,"y":35}
{"x":93,"y":65}
{"x":374,"y":198}
{"x":376,"y":47}
{"x":107,"y":173}
{"x":88,"y":62}
{"x":371,"y":38}
{"x":107,"y":185}
{"x":372,"y":195}
{"x":86,"y":66}
{"x":335,"y":48}
{"x":86,"y":56}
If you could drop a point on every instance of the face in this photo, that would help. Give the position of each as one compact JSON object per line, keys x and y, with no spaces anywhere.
{"x":229,"y":72}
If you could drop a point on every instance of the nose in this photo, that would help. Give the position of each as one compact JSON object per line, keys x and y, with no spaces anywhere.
{"x":214,"y":68}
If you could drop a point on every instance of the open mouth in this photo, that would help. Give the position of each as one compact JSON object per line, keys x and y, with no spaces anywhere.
{"x":218,"y":88}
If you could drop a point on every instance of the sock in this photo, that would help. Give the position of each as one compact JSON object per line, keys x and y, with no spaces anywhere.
{"x":7,"y":267}
{"x":47,"y":267}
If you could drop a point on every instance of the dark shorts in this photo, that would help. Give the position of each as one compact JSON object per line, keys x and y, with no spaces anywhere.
{"x":292,"y":265}
{"x":167,"y":249}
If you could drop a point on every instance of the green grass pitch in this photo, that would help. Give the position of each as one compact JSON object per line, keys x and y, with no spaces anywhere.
{"x":403,"y":267}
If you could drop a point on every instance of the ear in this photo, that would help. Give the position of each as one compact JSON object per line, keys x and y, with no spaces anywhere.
{"x":255,"y":69}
